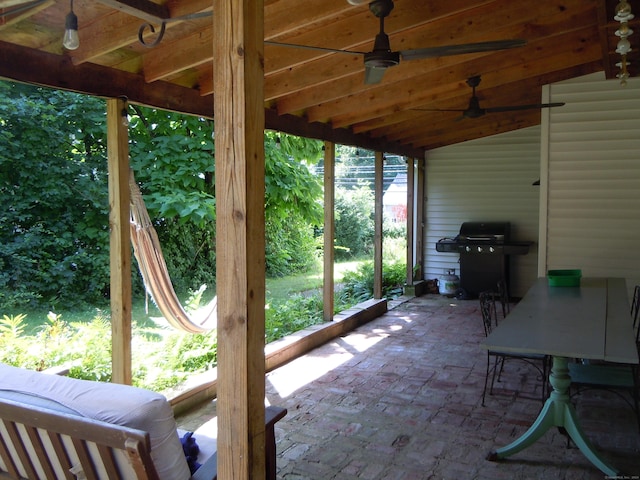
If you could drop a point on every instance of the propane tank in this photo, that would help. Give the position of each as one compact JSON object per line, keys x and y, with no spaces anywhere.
{"x":449,"y":283}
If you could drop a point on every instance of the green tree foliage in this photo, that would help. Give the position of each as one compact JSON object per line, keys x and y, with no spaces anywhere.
{"x":54,"y":223}
{"x":54,"y":241}
{"x":354,"y":222}
{"x":293,"y":206}
{"x":172,"y":157}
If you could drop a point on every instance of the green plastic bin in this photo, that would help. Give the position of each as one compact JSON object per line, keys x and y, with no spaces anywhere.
{"x":564,"y":278}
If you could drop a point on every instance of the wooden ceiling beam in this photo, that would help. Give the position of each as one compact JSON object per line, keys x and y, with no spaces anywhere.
{"x":40,"y":68}
{"x":439,"y":138}
{"x":322,"y":131}
{"x":10,"y":3}
{"x":286,"y":18}
{"x":171,"y":58}
{"x":143,"y":9}
{"x":196,"y":48}
{"x":104,"y":35}
{"x":7,"y":18}
{"x":118,"y":29}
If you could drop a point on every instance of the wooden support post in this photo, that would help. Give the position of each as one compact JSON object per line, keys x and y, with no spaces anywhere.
{"x":329,"y":230}
{"x":119,"y":241}
{"x":377,"y":240}
{"x":419,"y":218}
{"x":240,"y":236}
{"x":410,"y":221}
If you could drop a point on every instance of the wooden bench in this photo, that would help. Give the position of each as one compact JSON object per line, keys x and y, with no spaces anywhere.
{"x":40,"y":439}
{"x":38,"y":443}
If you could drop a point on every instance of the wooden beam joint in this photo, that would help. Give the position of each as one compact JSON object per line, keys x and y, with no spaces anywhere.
{"x":144,"y":9}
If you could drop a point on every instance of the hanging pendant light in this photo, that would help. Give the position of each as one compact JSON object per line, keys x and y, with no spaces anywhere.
{"x":71,"y":41}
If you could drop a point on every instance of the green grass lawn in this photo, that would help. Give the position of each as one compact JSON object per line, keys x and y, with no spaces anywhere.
{"x":144,"y":309}
{"x":280,"y":288}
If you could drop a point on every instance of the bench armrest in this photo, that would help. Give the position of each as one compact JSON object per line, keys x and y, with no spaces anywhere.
{"x":209,"y":469}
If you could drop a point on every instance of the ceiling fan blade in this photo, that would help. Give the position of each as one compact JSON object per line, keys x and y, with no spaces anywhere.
{"x":373,"y":75}
{"x":513,"y":108}
{"x":439,"y":109}
{"x":448,"y":50}
{"x":311,"y":47}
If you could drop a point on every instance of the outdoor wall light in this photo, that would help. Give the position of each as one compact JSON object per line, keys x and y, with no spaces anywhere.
{"x":71,"y":41}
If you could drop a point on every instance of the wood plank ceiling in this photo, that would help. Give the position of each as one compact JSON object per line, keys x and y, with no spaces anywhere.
{"x":320,"y":93}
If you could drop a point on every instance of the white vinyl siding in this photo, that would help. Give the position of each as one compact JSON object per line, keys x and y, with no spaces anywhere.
{"x":593,"y":209}
{"x":585,"y":214}
{"x":489,"y":179}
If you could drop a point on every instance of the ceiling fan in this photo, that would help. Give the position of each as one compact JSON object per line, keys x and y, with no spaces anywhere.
{"x":382,"y":57}
{"x":474,"y":110}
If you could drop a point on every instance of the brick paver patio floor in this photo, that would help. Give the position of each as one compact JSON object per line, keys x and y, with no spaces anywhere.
{"x":400,"y":398}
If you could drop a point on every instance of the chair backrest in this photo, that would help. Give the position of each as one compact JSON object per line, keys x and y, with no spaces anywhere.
{"x":635,"y":313}
{"x":503,"y":295}
{"x":488,"y":311}
{"x":39,"y":443}
{"x":635,"y":303}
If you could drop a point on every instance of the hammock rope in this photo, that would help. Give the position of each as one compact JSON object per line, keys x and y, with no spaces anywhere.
{"x":153,"y":268}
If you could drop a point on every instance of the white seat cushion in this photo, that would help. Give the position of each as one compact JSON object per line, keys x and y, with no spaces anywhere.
{"x":109,"y":402}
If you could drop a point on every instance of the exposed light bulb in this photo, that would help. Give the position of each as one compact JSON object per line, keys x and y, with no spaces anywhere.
{"x":71,"y":41}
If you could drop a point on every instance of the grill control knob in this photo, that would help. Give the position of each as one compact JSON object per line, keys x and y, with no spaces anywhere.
{"x":491,"y":249}
{"x":468,"y":248}
{"x":479,"y":249}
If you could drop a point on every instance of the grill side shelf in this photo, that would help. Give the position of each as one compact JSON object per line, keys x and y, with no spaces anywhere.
{"x":447,"y":246}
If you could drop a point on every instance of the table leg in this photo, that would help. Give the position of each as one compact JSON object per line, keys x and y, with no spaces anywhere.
{"x":557,"y":412}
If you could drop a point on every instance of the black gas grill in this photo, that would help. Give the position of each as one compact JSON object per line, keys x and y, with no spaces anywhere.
{"x":484,"y":249}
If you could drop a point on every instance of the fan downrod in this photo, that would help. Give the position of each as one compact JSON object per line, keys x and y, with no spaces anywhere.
{"x":381,"y":56}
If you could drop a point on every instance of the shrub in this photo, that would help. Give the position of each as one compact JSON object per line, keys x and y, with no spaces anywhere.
{"x":291,"y":315}
{"x":358,"y":285}
{"x":354,"y":223}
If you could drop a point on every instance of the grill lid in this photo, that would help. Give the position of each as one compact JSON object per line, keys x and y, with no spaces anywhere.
{"x":498,"y":232}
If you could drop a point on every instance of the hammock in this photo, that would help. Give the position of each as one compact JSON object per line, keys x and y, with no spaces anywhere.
{"x":148,"y":253}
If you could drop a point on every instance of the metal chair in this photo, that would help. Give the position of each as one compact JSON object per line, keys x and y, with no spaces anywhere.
{"x":613,"y":377}
{"x":496,"y":359}
{"x":635,"y":310}
{"x":503,"y":297}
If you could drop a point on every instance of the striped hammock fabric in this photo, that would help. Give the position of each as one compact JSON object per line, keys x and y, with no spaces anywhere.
{"x":153,"y":268}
